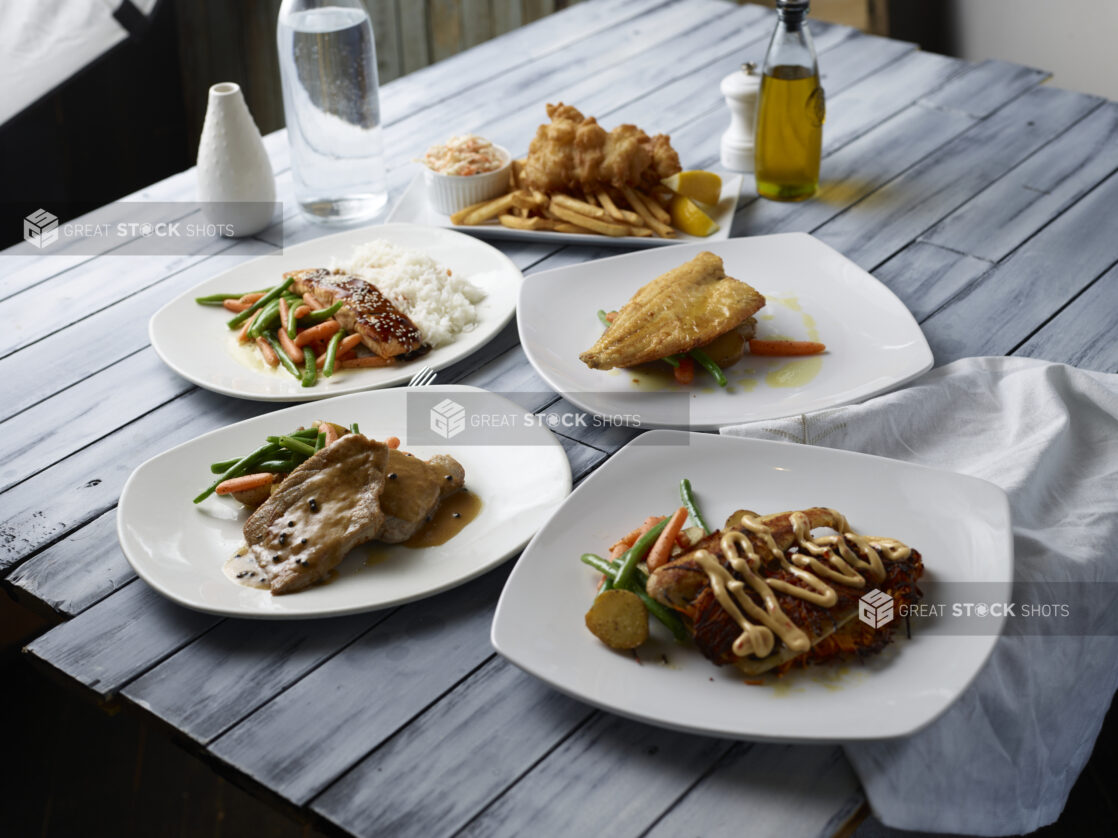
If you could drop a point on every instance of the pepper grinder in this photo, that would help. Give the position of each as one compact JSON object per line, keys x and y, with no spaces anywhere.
{"x":741,"y":90}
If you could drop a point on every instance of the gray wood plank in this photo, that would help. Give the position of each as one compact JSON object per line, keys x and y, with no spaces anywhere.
{"x":612,"y":776}
{"x":78,"y":293}
{"x":119,"y":638}
{"x":453,"y":76}
{"x":96,"y":342}
{"x":383,"y":16}
{"x":982,"y":93}
{"x":925,"y":276}
{"x":77,"y":571}
{"x":884,"y":222}
{"x":1082,"y":333}
{"x":227,"y":673}
{"x":73,"y":419}
{"x":500,"y":721}
{"x":998,"y":219}
{"x":995,"y":314}
{"x":301,"y":740}
{"x":802,"y":790}
{"x":53,"y":502}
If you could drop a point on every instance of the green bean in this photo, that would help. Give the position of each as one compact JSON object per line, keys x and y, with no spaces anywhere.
{"x":665,"y":615}
{"x":320,"y":442}
{"x":264,"y":319}
{"x":287,"y":363}
{"x":297,"y":445}
{"x":688,"y":498}
{"x":237,"y":469}
{"x":332,"y":353}
{"x":671,"y":360}
{"x":259,"y":304}
{"x":353,"y":429}
{"x":604,"y":318}
{"x":637,"y":552}
{"x":657,"y":609}
{"x":310,"y":371}
{"x":321,"y":315}
{"x":708,"y":364}
{"x":222,"y":467}
{"x":292,"y":323}
{"x":218,"y":299}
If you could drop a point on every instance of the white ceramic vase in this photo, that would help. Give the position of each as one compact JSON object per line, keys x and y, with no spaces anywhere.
{"x":235,"y":180}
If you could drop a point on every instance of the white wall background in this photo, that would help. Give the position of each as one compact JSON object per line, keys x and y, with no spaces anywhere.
{"x":1076,"y":40}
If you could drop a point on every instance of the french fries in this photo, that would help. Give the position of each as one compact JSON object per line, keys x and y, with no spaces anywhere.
{"x":603,"y":212}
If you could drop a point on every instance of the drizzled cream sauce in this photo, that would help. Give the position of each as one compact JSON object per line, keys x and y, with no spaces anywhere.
{"x":825,"y":557}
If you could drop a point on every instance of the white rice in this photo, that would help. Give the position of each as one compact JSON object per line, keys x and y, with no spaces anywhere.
{"x":441,"y":304}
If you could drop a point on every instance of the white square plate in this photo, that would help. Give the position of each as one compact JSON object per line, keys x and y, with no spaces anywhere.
{"x":413,"y":208}
{"x":194,"y":341}
{"x":179,"y":548}
{"x":873,"y":342}
{"x":960,"y":525}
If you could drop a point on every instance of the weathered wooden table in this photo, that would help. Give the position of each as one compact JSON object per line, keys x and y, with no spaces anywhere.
{"x":984,"y":199}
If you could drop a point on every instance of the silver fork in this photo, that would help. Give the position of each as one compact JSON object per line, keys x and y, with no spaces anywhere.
{"x":422,"y":378}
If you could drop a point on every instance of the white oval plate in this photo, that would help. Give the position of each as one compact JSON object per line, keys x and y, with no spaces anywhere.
{"x":960,"y":525}
{"x":179,"y":548}
{"x":873,"y":342}
{"x":194,"y":341}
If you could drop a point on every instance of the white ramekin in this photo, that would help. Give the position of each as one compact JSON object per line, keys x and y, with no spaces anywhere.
{"x":449,"y":193}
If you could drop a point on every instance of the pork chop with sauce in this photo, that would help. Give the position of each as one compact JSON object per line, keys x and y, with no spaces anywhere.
{"x":384,"y":329}
{"x":414,"y":490}
{"x":327,"y":506}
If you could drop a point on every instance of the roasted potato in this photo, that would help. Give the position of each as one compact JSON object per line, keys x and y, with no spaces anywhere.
{"x":619,"y":619}
{"x":729,"y":348}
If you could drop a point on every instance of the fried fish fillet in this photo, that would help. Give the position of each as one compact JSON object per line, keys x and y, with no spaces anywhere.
{"x":683,"y":309}
{"x":574,"y":152}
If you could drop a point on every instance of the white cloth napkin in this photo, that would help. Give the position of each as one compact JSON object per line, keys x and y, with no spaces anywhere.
{"x":1004,"y":757}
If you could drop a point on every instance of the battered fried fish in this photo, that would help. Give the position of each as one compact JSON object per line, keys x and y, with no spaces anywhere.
{"x":683,"y":309}
{"x":574,"y":152}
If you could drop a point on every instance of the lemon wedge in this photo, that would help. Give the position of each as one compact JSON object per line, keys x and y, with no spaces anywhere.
{"x":704,"y":187}
{"x":687,"y":216}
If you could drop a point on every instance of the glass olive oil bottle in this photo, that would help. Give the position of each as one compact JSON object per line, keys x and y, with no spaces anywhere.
{"x":790,"y":110}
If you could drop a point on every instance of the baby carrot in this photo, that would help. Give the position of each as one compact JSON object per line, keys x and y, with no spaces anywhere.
{"x":323,"y":331}
{"x":685,"y":371}
{"x":235,"y":306}
{"x":785,"y":347}
{"x":289,"y":346}
{"x":241,"y":484}
{"x":661,"y":551}
{"x":393,"y":442}
{"x":269,"y":355}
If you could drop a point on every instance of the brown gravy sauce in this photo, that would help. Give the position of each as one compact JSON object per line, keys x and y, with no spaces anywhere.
{"x":824,"y":557}
{"x":449,"y":519}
